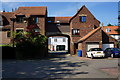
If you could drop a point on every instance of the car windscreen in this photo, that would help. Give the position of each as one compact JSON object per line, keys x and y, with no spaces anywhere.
{"x":115,"y":49}
{"x":96,"y":49}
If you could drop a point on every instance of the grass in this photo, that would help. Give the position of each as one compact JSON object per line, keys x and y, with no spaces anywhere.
{"x":5,"y":45}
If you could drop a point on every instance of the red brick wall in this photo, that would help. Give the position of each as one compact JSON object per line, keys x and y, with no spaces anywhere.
{"x":97,"y":37}
{"x":84,"y":27}
{"x":41,"y":25}
{"x":4,"y":39}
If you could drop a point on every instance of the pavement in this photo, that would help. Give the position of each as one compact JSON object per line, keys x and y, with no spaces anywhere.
{"x":61,"y":66}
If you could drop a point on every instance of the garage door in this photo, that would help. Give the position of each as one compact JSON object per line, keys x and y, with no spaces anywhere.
{"x":104,"y":46}
{"x":92,"y":46}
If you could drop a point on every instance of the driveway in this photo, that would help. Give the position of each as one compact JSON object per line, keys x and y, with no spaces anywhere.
{"x":61,"y":66}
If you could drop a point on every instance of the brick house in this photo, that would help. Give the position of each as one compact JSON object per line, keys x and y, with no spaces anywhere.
{"x":111,"y":30}
{"x":78,"y":30}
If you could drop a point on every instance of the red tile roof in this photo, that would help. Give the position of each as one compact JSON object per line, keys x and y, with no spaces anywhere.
{"x":60,"y":19}
{"x":7,"y":15}
{"x":89,"y":34}
{"x":40,"y":10}
{"x":83,"y":7}
{"x":112,"y":28}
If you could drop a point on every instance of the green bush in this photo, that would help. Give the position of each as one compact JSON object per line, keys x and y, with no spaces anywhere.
{"x":30,"y":45}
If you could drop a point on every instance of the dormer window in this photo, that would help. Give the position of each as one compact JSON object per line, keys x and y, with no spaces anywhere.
{"x":82,"y":18}
{"x":108,"y":30}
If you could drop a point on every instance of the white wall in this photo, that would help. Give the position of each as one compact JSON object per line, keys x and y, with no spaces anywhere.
{"x":51,"y":41}
{"x":117,"y":36}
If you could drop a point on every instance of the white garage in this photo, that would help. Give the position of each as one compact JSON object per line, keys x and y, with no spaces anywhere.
{"x":104,"y":46}
{"x":93,"y":45}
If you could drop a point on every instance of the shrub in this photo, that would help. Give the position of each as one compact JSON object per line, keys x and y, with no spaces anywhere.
{"x":30,"y":45}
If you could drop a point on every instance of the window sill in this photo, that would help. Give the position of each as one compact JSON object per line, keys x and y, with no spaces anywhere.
{"x":75,"y":35}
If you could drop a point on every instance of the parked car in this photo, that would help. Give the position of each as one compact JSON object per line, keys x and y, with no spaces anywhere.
{"x":112,"y":52}
{"x":95,"y":52}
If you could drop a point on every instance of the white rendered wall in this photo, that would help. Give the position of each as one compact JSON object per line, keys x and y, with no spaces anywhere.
{"x":51,"y":41}
{"x":116,"y":36}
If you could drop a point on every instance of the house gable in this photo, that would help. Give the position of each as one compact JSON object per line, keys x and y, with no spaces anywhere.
{"x":84,"y":27}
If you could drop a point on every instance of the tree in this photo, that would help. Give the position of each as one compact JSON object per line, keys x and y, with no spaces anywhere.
{"x":109,"y":24}
{"x":30,"y":44}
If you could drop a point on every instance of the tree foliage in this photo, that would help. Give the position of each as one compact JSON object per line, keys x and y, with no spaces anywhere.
{"x":109,"y":24}
{"x":29,"y":39}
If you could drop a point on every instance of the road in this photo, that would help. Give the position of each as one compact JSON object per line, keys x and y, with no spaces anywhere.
{"x":61,"y":66}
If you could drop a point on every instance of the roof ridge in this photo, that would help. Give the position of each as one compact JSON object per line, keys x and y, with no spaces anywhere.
{"x":65,"y":16}
{"x":31,"y":6}
{"x":111,"y":26}
{"x":7,"y":12}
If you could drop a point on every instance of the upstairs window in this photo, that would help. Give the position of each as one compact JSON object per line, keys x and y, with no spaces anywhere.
{"x":55,"y":40}
{"x":64,"y":39}
{"x":35,"y":19}
{"x":75,"y":31}
{"x":83,"y":18}
{"x":108,"y":30}
{"x":20,"y":19}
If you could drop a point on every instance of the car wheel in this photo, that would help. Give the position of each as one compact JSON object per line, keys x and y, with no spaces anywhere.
{"x":112,"y":55}
{"x":92,"y":56}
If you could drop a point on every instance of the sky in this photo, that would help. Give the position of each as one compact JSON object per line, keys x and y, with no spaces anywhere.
{"x":105,"y":12}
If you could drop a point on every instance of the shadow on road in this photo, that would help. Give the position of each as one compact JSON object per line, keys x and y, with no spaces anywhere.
{"x":54,"y":67}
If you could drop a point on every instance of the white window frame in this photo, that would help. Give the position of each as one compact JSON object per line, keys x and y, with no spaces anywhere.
{"x":108,"y":30}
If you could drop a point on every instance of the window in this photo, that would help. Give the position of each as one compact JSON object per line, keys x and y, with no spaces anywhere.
{"x":20,"y":19}
{"x":83,"y":18}
{"x":55,"y":40}
{"x":64,"y":39}
{"x":37,"y":30}
{"x":58,"y":21}
{"x":49,"y":21}
{"x":95,"y":26}
{"x":75,"y":31}
{"x":19,"y":30}
{"x":8,"y":34}
{"x":108,"y":30}
{"x":35,"y":19}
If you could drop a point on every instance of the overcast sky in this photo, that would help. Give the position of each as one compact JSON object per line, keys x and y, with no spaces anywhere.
{"x":106,"y":12}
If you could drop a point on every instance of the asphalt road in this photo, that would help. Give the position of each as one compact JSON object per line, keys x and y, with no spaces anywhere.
{"x":61,"y":66}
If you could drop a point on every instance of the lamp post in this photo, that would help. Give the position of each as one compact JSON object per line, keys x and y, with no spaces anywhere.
{"x":13,"y":19}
